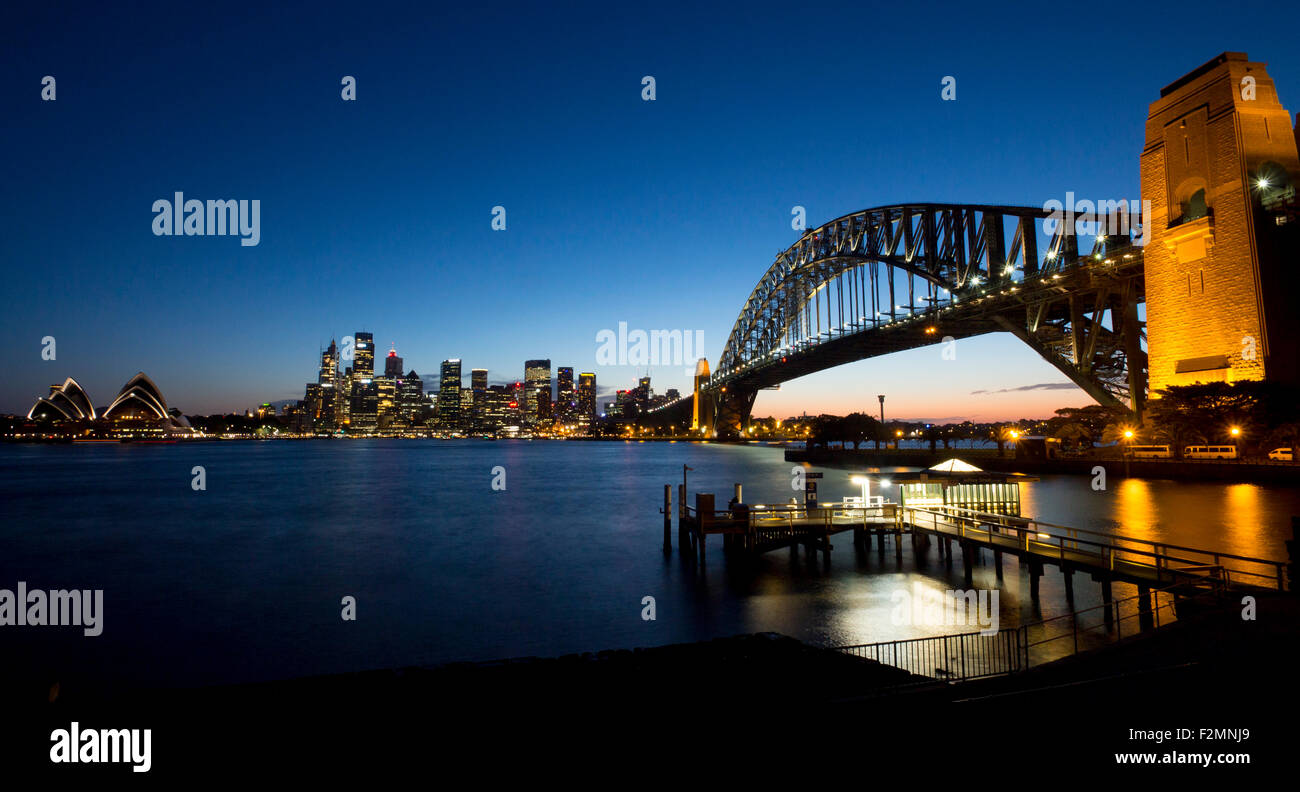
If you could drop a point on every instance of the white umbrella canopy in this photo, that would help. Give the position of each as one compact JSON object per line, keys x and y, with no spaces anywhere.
{"x":955,"y":465}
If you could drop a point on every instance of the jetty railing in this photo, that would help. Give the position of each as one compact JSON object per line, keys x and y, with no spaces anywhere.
{"x":975,"y":655}
{"x":1044,"y":538}
{"x":951,"y":657}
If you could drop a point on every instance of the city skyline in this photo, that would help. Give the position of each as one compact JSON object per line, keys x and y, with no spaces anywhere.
{"x":655,"y":214}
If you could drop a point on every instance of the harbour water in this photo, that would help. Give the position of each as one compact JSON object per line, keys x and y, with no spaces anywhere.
{"x":244,"y":580}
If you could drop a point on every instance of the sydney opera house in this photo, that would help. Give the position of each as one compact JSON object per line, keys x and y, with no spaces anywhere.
{"x":139,"y":410}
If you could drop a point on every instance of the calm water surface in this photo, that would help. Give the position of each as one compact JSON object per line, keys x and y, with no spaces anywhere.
{"x":243,"y":581}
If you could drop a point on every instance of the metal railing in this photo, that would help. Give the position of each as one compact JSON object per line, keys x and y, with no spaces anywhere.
{"x":953,"y":658}
{"x":974,"y":655}
{"x":1106,"y":550}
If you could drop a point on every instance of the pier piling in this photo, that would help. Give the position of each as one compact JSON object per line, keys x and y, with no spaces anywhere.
{"x":668,"y":518}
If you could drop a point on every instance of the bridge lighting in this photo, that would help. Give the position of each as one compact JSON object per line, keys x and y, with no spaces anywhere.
{"x":1261,"y":182}
{"x":931,"y":330}
{"x":1128,"y":434}
{"x":1235,"y":431}
{"x":1101,"y":237}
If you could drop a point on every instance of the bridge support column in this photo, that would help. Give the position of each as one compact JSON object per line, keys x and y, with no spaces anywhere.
{"x":1107,"y":597}
{"x":997,"y":563}
{"x":1035,"y":572}
{"x":968,"y":551}
{"x":1069,"y":584}
{"x":898,"y":546}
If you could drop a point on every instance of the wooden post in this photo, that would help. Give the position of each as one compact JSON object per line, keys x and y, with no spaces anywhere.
{"x":1035,"y":572}
{"x":898,"y":545}
{"x":997,"y":562}
{"x":681,"y":516}
{"x":1069,"y":583}
{"x":1145,"y":621}
{"x":668,"y":518}
{"x":1107,"y":596}
{"x":967,"y":559}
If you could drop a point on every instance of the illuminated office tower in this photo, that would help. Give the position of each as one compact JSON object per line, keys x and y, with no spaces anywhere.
{"x":329,"y":365}
{"x":566,"y":399}
{"x":478,"y":388}
{"x":363,"y":363}
{"x":449,"y":395}
{"x":343,"y":400}
{"x":537,"y":394}
{"x":642,"y":394}
{"x":392,"y":364}
{"x":586,"y":398}
{"x":410,"y":396}
{"x":386,"y":391}
{"x":364,"y":413}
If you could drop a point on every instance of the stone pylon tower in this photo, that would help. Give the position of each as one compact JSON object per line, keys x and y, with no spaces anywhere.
{"x":1220,"y":260}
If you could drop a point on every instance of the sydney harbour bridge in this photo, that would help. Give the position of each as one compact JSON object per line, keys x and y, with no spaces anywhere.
{"x":898,"y":277}
{"x":1212,"y":271}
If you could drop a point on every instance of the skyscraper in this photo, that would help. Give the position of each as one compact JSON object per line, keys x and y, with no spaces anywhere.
{"x":565,"y":397}
{"x":363,"y":363}
{"x":537,"y":382}
{"x":586,"y":398}
{"x":478,"y":403}
{"x":449,"y":395}
{"x":392,"y":364}
{"x":364,"y":409}
{"x":329,"y":365}
{"x":410,"y":396}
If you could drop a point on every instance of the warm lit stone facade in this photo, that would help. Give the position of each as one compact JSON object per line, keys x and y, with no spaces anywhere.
{"x":1215,"y":310}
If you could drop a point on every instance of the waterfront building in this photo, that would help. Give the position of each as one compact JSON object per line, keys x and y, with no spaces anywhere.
{"x":411,"y":403}
{"x":537,"y":396}
{"x":386,"y":391}
{"x":393,"y":364}
{"x":140,"y":410}
{"x":566,"y":398}
{"x":363,"y":363}
{"x":364,"y":412}
{"x":478,"y":385}
{"x":586,"y":407}
{"x":449,"y":395}
{"x":66,"y":402}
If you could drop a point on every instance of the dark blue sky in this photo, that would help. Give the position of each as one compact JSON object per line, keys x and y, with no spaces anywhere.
{"x":375,"y":214}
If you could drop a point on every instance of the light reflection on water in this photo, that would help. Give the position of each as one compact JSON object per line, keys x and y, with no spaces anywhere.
{"x":243,"y":581}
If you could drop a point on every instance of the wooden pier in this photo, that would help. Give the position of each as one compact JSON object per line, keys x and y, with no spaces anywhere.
{"x":1106,"y":557}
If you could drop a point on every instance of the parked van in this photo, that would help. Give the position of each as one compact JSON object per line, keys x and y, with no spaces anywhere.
{"x":1150,"y":451}
{"x":1210,"y":452}
{"x":1282,"y":454}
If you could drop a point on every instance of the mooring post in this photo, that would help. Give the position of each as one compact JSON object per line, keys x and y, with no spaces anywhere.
{"x":668,"y":518}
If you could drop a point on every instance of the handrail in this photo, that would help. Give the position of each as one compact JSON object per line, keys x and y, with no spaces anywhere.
{"x":1113,"y":544}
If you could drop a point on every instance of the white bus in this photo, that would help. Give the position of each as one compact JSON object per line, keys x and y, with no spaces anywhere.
{"x":1210,"y":452}
{"x":1150,"y":451}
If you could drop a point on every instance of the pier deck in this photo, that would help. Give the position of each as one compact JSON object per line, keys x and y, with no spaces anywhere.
{"x":1107,"y":557}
